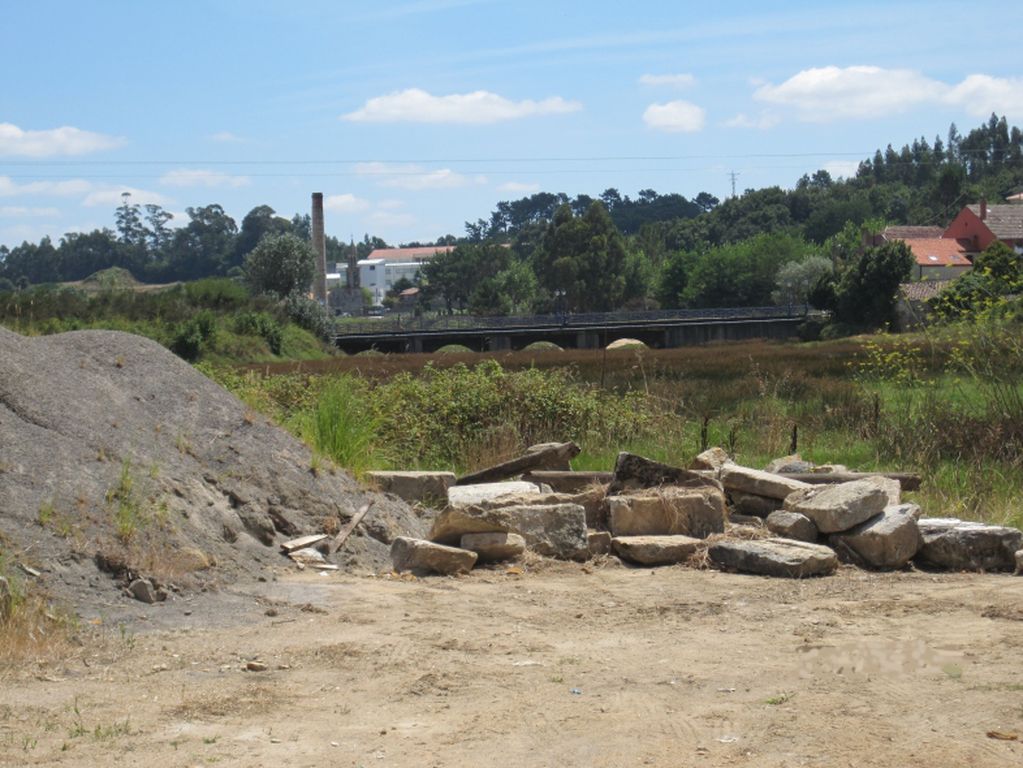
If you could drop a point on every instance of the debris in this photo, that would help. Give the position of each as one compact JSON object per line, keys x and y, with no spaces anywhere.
{"x":1001,"y":736}
{"x":307,"y":556}
{"x":599,"y":542}
{"x":576,"y":691}
{"x":30,"y":571}
{"x":342,"y":536}
{"x":302,"y":542}
{"x":256,"y":666}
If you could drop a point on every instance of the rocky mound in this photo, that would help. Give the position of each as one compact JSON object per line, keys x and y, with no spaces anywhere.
{"x":117,"y":456}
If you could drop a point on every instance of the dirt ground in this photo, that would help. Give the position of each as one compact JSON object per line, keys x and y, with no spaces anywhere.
{"x":562,"y":665}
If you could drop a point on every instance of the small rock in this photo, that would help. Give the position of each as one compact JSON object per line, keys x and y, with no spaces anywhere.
{"x":599,"y":542}
{"x":1019,"y":563}
{"x":753,"y":505}
{"x":835,"y":508}
{"x":256,"y":666}
{"x":425,"y":556}
{"x":792,"y":525}
{"x":144,"y":591}
{"x":308,"y":556}
{"x":774,"y":557}
{"x":793,"y":463}
{"x":712,"y":458}
{"x":494,"y":547}
{"x":655,"y":550}
{"x":750,"y":521}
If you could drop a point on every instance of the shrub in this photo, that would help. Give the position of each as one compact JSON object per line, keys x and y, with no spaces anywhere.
{"x":309,"y":314}
{"x":260,"y":324}
{"x":195,"y":335}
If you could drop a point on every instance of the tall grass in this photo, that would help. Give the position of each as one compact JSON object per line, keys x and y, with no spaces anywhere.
{"x":343,"y":425}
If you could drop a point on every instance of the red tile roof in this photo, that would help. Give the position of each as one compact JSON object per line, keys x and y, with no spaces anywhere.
{"x":908,"y":232}
{"x":939,"y":252}
{"x":410,"y":254}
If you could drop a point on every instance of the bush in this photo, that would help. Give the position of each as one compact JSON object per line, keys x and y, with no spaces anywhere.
{"x":217,"y":293}
{"x":195,"y":335}
{"x":263,"y":325}
{"x":342,"y":425}
{"x":309,"y":314}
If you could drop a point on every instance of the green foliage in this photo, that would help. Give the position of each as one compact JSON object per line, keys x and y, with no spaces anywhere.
{"x":263,"y":325}
{"x":997,"y":274}
{"x":342,"y":424}
{"x":195,"y":336}
{"x":280,"y":265}
{"x":867,"y":292}
{"x":309,"y":314}
{"x":796,"y":280}
{"x":583,"y":259}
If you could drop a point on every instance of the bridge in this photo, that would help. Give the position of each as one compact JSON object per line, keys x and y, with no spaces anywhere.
{"x":661,"y":329}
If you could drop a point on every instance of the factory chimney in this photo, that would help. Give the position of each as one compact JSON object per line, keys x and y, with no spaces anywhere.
{"x":320,"y":249}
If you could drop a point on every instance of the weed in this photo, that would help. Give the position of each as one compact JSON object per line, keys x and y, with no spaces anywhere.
{"x":780,"y":699}
{"x":46,"y":513}
{"x":128,"y":514}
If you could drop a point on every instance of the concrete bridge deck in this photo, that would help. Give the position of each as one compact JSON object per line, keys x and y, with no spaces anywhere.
{"x":663,"y":329}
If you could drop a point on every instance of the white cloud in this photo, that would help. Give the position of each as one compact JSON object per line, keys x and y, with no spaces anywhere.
{"x":24,"y":212}
{"x":416,"y":177}
{"x":763,"y":122}
{"x":63,"y":188}
{"x":675,"y":117}
{"x":393,"y":219}
{"x":65,"y":140}
{"x":830,"y":93}
{"x":112,"y":196}
{"x":673,"y":81}
{"x":346,"y":203}
{"x":199,"y":177}
{"x":518,"y":187}
{"x":226,"y":137}
{"x":980,"y":95}
{"x":844,"y":169}
{"x":415,"y":105}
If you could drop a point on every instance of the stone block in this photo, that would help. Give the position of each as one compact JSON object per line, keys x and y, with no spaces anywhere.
{"x":669,"y":510}
{"x":774,"y":557}
{"x":792,"y":525}
{"x":421,"y":556}
{"x":553,"y":530}
{"x":424,"y":487}
{"x":468,"y":495}
{"x":655,"y":550}
{"x":956,"y":545}
{"x":835,"y":508}
{"x":747,"y":480}
{"x":889,"y":540}
{"x":494,"y":547}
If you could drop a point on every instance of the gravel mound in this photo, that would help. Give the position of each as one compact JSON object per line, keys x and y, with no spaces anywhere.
{"x":118,"y":459}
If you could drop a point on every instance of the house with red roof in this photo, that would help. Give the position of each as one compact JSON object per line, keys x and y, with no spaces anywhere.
{"x":982,"y":224}
{"x":936,"y":257}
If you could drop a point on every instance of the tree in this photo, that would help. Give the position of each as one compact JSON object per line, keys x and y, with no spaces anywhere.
{"x":797,"y":279}
{"x":867,"y":292}
{"x":205,"y":246}
{"x":280,"y":265}
{"x":583,"y":259}
{"x":129,"y":222}
{"x":258,"y":223}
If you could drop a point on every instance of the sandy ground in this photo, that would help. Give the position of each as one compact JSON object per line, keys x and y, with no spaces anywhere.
{"x":563,"y":665}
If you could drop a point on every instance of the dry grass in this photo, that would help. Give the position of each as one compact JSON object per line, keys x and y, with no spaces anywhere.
{"x":32,"y":629}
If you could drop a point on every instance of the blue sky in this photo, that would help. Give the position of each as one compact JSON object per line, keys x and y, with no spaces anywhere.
{"x":415,"y":116}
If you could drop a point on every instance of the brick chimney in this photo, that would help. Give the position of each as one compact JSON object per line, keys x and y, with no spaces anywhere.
{"x":320,"y":249}
{"x":983,"y":209}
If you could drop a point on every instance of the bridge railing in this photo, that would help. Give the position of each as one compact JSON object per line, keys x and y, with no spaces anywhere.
{"x":441,"y":323}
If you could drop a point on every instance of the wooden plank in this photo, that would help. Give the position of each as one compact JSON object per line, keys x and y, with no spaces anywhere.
{"x":302,"y":542}
{"x":345,"y":532}
{"x":561,"y":452}
{"x":910,"y":481}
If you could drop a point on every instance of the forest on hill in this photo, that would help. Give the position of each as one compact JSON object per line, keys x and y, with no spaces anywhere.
{"x":551,"y":252}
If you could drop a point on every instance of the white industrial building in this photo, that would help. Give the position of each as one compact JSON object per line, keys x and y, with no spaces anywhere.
{"x":386,"y":266}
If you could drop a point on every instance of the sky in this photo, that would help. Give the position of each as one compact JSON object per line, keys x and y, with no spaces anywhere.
{"x":415,"y":116}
